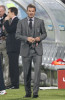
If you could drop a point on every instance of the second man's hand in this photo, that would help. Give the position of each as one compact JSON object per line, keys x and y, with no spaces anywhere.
{"x":31,"y":39}
{"x":37,"y":39}
{"x":7,"y":18}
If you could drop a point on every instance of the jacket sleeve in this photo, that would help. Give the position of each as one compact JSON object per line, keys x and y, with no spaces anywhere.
{"x":43,"y":31}
{"x":19,"y":31}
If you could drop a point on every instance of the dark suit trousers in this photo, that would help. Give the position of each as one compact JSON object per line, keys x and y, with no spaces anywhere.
{"x":14,"y":68}
{"x":27,"y":62}
{"x":2,"y":86}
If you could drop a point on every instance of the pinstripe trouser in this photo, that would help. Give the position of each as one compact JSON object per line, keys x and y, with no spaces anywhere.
{"x":5,"y":61}
{"x":27,"y":62}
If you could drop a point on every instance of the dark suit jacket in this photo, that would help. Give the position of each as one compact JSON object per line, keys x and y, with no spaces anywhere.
{"x":22,"y":34}
{"x":12,"y":44}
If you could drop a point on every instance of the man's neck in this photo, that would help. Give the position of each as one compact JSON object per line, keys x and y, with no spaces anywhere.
{"x":13,"y":17}
{"x":30,"y":17}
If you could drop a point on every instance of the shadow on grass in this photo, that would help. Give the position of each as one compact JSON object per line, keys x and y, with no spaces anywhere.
{"x":21,"y":99}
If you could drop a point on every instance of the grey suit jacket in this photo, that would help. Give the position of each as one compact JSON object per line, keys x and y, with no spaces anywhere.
{"x":22,"y":34}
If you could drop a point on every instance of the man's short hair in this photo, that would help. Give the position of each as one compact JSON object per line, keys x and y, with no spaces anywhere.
{"x":31,"y":6}
{"x":3,"y":7}
{"x":14,"y":9}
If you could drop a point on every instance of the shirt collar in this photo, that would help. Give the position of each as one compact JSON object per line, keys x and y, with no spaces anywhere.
{"x":14,"y":17}
{"x":31,"y":18}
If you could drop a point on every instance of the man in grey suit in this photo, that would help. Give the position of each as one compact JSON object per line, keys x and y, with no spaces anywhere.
{"x":31,"y":32}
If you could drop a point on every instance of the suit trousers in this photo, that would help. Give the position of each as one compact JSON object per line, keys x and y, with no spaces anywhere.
{"x":3,"y":52}
{"x":2,"y":86}
{"x":14,"y":68}
{"x":27,"y":65}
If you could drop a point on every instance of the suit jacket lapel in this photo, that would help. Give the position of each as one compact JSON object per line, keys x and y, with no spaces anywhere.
{"x":26,"y":25}
{"x":35,"y":25}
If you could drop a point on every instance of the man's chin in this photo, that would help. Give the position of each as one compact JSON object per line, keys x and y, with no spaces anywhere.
{"x":31,"y":16}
